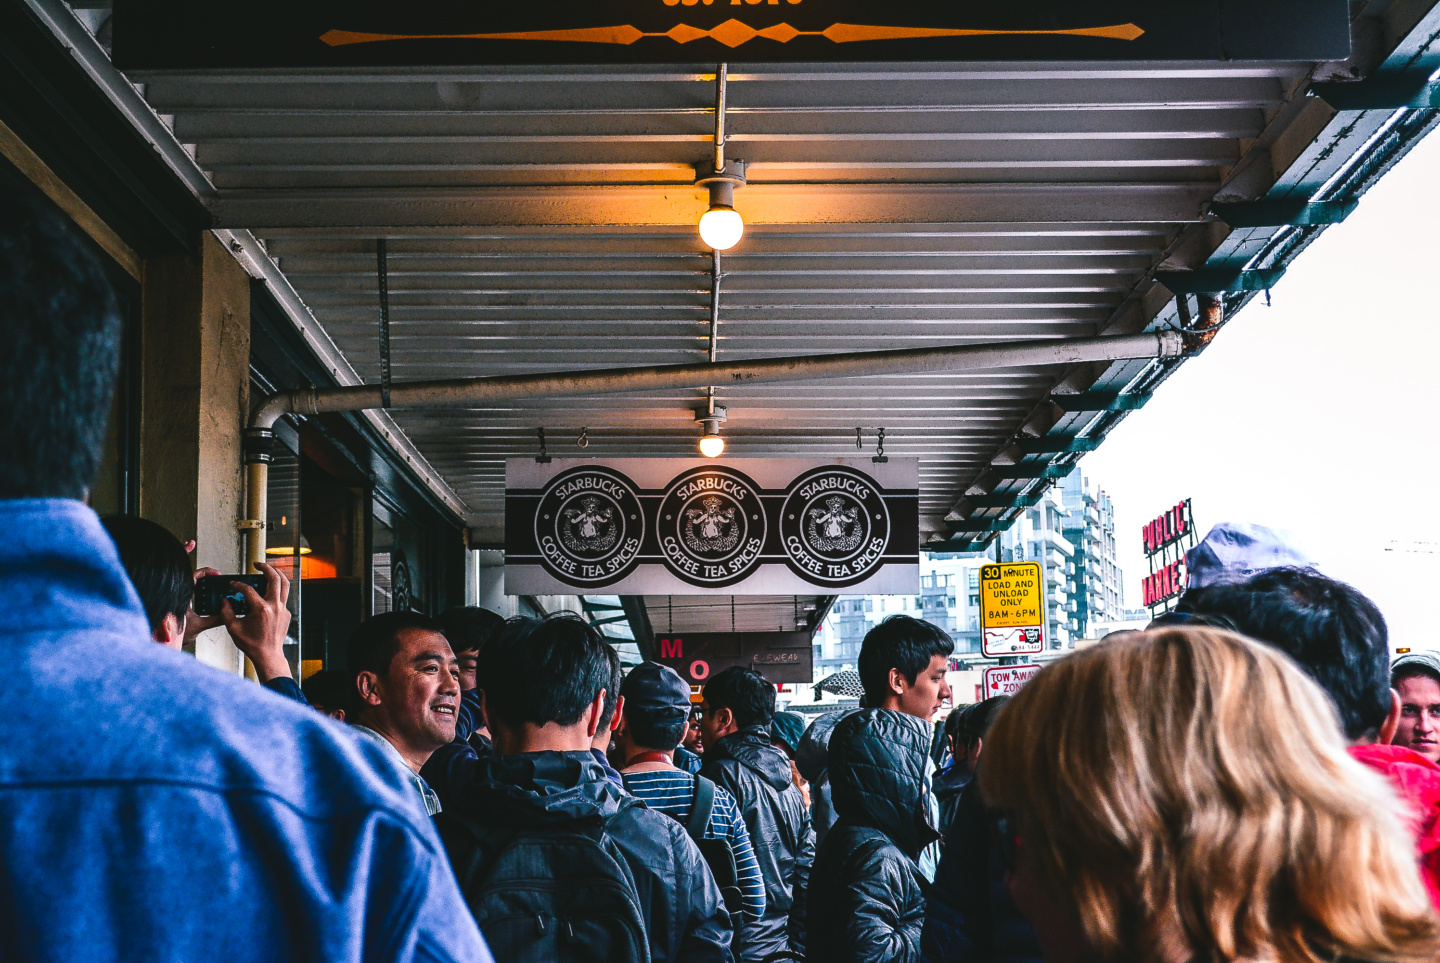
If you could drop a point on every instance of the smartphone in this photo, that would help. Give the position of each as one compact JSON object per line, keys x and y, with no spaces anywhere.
{"x":211,"y":591}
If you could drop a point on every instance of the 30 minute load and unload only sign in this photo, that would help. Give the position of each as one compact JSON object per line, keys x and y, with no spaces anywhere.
{"x":1012,"y":609}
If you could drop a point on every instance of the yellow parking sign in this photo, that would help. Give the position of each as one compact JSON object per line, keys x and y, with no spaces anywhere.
{"x":1012,"y":609}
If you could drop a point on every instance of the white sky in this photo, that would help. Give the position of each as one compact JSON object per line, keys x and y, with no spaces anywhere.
{"x":1315,"y":415}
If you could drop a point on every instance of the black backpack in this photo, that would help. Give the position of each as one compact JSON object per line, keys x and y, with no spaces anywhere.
{"x":548,"y":895}
{"x":717,"y":852}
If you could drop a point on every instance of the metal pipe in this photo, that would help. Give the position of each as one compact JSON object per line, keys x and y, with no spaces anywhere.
{"x":258,"y":445}
{"x":714,"y":315}
{"x":476,"y":391}
{"x":721,"y":71}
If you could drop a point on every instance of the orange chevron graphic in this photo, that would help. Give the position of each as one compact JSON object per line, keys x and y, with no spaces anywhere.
{"x":733,"y":33}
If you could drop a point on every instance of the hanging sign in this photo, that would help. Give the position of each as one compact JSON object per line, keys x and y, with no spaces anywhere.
{"x":1012,"y":609}
{"x":160,"y":34}
{"x":676,"y":526}
{"x":781,"y":657}
{"x":1006,"y":680}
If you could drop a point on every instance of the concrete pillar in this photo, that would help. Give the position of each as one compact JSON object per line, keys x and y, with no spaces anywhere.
{"x":194,"y":400}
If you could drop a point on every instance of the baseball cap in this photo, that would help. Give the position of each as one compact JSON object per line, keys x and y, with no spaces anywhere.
{"x":651,"y":686}
{"x":1417,"y":660}
{"x":1234,"y":551}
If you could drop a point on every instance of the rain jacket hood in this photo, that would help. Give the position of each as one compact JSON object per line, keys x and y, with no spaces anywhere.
{"x":751,"y":747}
{"x":878,"y":759}
{"x":538,"y":789}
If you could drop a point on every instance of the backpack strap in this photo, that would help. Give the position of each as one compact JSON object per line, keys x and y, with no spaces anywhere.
{"x":701,"y":805}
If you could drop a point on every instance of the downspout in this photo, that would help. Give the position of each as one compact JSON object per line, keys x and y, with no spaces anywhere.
{"x":260,"y":437}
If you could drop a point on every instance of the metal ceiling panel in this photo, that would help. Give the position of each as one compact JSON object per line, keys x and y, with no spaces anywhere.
{"x":543,"y":219}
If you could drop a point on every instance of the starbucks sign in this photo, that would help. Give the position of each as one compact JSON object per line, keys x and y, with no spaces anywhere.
{"x":690,"y":526}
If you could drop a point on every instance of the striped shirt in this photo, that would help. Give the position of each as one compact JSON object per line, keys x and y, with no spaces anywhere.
{"x":671,"y":792}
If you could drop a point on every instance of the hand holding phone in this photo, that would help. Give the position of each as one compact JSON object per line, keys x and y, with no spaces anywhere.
{"x":211,"y":591}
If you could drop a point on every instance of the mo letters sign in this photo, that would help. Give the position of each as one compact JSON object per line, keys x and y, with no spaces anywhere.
{"x":188,"y":34}
{"x":679,"y":526}
{"x":781,"y":657}
{"x":1012,"y":609}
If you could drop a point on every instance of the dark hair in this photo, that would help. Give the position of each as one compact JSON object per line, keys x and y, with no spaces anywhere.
{"x":59,"y":352}
{"x":157,"y":564}
{"x":660,"y":729}
{"x":469,"y":627}
{"x":899,"y":642}
{"x":375,"y":642}
{"x":549,"y":670}
{"x":745,"y":692}
{"x":1336,"y":635}
{"x":330,"y":689}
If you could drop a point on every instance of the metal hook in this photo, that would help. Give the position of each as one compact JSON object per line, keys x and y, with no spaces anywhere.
{"x":543,"y":458}
{"x":880,"y":458}
{"x":584,"y":440}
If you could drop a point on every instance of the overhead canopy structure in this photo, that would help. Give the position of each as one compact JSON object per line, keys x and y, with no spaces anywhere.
{"x":543,"y":219}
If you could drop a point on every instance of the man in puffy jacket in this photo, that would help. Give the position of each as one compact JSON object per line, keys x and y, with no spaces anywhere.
{"x":544,"y":683}
{"x":737,"y":708}
{"x":867,"y":899}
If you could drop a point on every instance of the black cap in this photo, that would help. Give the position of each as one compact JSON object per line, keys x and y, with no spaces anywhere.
{"x":651,"y":686}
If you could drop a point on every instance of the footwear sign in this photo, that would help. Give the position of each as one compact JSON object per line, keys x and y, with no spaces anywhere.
{"x":1012,"y":609}
{"x":1006,"y":680}
{"x":683,"y":526}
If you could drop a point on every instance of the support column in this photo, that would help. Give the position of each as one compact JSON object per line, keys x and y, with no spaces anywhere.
{"x":195,"y":397}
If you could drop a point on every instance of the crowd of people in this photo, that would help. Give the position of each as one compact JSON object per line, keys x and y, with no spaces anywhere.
{"x":1248,"y":779}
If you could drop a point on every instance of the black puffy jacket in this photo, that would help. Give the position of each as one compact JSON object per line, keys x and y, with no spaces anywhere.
{"x":867,"y":900}
{"x":758,"y":776}
{"x":678,"y":896}
{"x":969,"y":915}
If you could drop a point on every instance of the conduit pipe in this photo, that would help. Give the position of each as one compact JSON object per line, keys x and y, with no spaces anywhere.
{"x":259,"y":438}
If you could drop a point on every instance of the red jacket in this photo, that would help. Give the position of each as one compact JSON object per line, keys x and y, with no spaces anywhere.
{"x":1417,"y":780}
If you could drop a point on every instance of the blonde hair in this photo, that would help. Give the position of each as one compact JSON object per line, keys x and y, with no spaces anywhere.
{"x":1191,"y":793}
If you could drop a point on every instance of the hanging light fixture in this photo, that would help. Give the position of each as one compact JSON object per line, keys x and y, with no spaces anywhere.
{"x":721,"y":227}
{"x":289,"y":549}
{"x":711,"y":444}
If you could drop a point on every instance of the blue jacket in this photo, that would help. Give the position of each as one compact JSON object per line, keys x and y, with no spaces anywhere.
{"x":154,"y":808}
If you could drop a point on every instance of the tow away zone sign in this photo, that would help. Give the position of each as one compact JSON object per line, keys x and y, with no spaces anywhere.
{"x":1007,"y":679}
{"x":1012,"y":609}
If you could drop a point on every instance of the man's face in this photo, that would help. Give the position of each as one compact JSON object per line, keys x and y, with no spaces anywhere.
{"x":711,"y":729}
{"x":1419,"y":716}
{"x":467,"y":661}
{"x":930,"y":691}
{"x":421,"y":693}
{"x":693,"y":741}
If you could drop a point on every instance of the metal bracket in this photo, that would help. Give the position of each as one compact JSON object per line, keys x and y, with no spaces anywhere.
{"x":1282,"y":212}
{"x":249,"y":525}
{"x":1219,"y":280}
{"x":1380,"y":93}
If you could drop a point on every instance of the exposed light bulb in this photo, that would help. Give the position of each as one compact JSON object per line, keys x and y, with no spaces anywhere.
{"x":721,"y":227}
{"x":712,"y":446}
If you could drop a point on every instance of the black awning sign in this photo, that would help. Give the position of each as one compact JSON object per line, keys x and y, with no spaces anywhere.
{"x":160,"y":34}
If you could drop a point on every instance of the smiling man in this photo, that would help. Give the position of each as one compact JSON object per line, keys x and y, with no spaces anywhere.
{"x":1416,"y":677}
{"x":408,"y":685}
